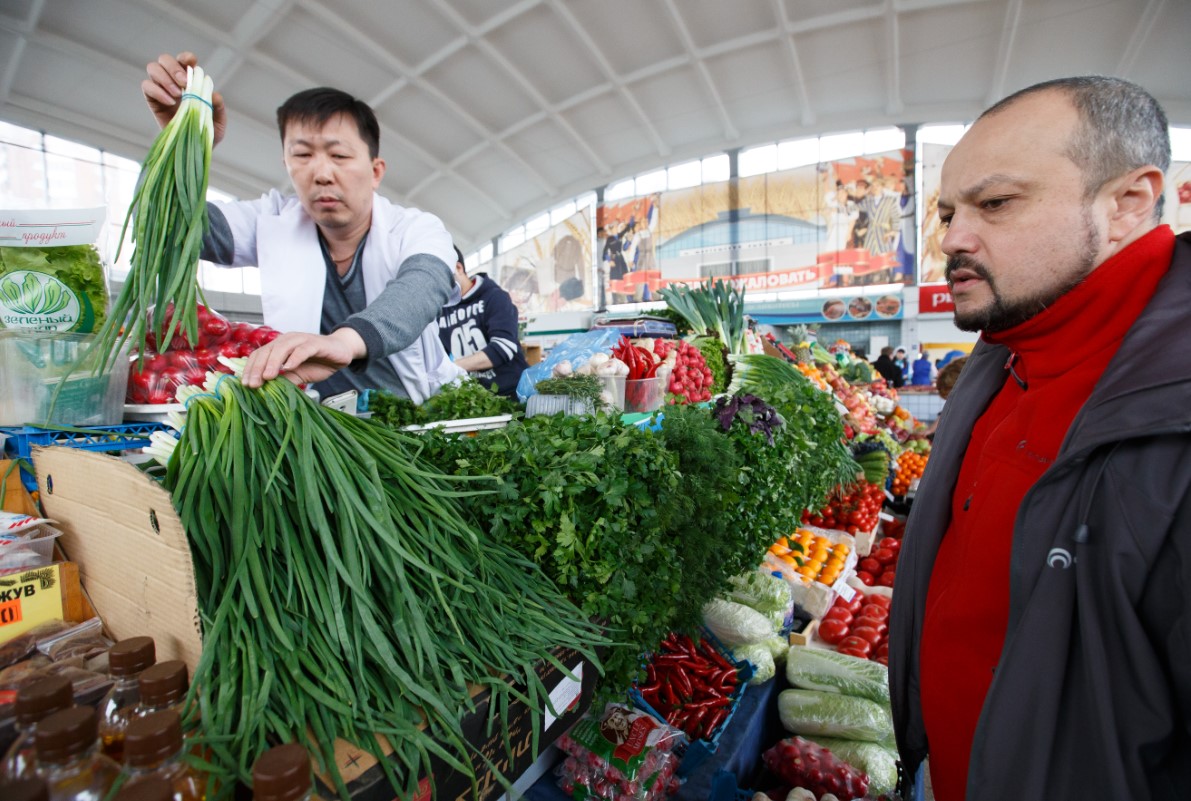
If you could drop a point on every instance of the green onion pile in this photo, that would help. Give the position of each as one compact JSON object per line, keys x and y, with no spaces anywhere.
{"x":716,"y":308}
{"x":343,"y":596}
{"x":168,"y":218}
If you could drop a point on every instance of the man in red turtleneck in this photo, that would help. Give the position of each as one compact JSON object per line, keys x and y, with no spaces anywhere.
{"x":1029,"y":567}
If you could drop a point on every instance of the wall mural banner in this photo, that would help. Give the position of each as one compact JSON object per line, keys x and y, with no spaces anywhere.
{"x":626,"y":235}
{"x":554,"y":270}
{"x":843,"y":308}
{"x":830,"y":225}
{"x":1177,"y":212}
{"x":930,"y":268}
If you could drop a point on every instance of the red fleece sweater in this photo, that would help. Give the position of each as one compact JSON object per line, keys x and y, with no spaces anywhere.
{"x":1059,"y":355}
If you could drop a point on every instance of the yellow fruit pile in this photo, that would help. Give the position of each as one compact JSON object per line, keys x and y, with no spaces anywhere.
{"x":813,"y":557}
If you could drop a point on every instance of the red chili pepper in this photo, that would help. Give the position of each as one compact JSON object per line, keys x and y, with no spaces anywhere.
{"x":695,"y":720}
{"x":715,"y":655}
{"x":709,"y":703}
{"x":700,"y":688}
{"x":651,"y":673}
{"x":729,"y":682}
{"x":669,"y":694}
{"x":684,"y":684}
{"x":671,"y":659}
{"x":713,"y":721}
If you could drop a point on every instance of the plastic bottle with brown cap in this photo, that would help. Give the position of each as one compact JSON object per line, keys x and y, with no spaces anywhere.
{"x":69,"y":757}
{"x":283,"y":774}
{"x":153,"y":747}
{"x":151,"y":789}
{"x":164,"y":686}
{"x":127,"y":659}
{"x":35,"y":701}
{"x":33,"y":788}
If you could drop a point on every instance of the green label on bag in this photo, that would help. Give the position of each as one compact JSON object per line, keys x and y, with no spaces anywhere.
{"x":41,"y":302}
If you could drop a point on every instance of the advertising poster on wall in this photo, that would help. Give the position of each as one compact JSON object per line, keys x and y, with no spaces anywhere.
{"x":626,"y":235}
{"x":831,"y":225}
{"x":930,"y":269}
{"x":552,"y":271}
{"x":1177,"y":212}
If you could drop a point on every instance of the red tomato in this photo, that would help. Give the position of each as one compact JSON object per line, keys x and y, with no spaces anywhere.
{"x":886,"y":579}
{"x":854,"y":643}
{"x":882,"y":651}
{"x":884,"y":555}
{"x":890,"y":543}
{"x":866,"y":633}
{"x":884,"y":660}
{"x":838,"y":613}
{"x":865,"y":577}
{"x":877,"y":599}
{"x":856,"y":602}
{"x":870,"y":565}
{"x":832,"y":631}
{"x":873,"y":611}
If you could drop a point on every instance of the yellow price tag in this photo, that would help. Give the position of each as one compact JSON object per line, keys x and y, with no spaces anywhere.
{"x":28,"y":599}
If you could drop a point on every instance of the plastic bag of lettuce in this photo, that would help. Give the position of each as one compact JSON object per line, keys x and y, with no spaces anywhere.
{"x":51,"y":275}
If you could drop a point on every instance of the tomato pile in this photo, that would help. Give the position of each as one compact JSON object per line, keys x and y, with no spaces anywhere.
{"x":853,"y":512}
{"x":692,"y":684}
{"x":813,"y":557}
{"x":858,"y":627}
{"x":880,"y":566}
{"x":184,"y":363}
{"x":690,"y":378}
{"x":909,"y":467}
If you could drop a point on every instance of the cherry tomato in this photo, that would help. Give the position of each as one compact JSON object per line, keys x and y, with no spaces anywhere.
{"x":884,"y":555}
{"x":886,"y":579}
{"x":852,"y":642}
{"x":832,"y":631}
{"x":890,"y":543}
{"x":865,"y":577}
{"x":866,"y":633}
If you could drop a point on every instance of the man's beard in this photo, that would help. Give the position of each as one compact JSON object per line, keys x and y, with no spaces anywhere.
{"x":1003,"y":314}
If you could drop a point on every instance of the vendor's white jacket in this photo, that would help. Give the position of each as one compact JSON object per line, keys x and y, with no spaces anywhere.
{"x":277,"y":235}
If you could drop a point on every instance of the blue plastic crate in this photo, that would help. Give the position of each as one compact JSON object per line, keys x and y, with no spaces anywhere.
{"x":699,"y":751}
{"x":19,"y":441}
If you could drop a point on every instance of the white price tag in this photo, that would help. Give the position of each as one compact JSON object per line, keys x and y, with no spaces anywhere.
{"x":888,"y":518}
{"x":847,"y":592}
{"x":562,"y":696}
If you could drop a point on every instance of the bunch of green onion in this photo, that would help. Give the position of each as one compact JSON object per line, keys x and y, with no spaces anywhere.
{"x":168,"y":218}
{"x":342,"y":595}
{"x":715,"y":308}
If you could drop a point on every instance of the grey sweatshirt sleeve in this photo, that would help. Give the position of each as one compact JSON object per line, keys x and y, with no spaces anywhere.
{"x":399,"y":314}
{"x":218,"y":245}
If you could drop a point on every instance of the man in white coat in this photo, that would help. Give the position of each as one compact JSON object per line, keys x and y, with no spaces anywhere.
{"x":354,"y":282}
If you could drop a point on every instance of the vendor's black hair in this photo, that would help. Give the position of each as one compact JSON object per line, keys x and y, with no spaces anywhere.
{"x":316,"y":106}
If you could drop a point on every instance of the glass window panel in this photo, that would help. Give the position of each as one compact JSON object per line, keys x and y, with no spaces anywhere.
{"x":882,"y":140}
{"x":681,"y":176}
{"x":757,"y":160}
{"x":797,"y":153}
{"x":716,"y":168}
{"x":651,"y":182}
{"x":841,"y":146}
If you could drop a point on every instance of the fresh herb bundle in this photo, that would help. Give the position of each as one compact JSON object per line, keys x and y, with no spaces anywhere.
{"x":461,"y":401}
{"x":579,"y":387}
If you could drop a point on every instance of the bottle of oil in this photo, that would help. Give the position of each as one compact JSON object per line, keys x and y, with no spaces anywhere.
{"x":164,"y":686}
{"x":127,"y":659}
{"x":151,"y":788}
{"x":153,"y":747}
{"x":69,"y":757}
{"x":32,"y":788}
{"x":35,"y":702}
{"x":283,"y":774}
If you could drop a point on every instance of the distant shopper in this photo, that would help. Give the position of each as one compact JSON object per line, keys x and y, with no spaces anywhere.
{"x":920,"y":371}
{"x":903,"y":363}
{"x":888,"y":368}
{"x":480,"y":332}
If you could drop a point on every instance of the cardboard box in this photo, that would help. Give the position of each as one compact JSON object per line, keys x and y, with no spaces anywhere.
{"x":120,"y":526}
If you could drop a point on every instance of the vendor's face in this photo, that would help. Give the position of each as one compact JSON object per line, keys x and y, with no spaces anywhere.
{"x":332,"y":172}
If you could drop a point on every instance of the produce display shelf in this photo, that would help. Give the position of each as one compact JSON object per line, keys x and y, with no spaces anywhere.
{"x":18,"y":442}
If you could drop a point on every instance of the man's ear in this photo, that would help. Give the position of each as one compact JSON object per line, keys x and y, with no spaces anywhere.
{"x":378,"y":171}
{"x":1134,"y":196}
